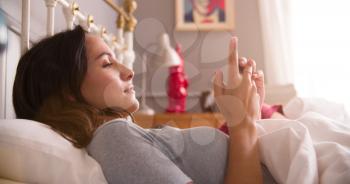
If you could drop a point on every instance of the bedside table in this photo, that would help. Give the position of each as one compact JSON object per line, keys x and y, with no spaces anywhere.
{"x":180,"y":120}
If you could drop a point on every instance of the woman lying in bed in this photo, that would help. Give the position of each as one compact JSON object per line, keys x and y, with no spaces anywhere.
{"x":73,"y":83}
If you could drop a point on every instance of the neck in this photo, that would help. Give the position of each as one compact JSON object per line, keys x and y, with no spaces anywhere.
{"x":106,"y":118}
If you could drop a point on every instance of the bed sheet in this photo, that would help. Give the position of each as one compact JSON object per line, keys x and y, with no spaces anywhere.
{"x":312,"y":146}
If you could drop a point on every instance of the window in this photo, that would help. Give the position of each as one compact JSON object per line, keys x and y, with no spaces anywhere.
{"x":320,"y":32}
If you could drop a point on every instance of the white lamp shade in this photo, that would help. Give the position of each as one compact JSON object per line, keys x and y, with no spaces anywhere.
{"x":168,"y":56}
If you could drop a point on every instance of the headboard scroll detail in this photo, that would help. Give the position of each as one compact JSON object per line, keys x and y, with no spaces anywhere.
{"x":121,"y":43}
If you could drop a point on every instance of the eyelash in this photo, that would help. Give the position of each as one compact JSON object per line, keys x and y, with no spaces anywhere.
{"x":110,"y":61}
{"x":107,"y":65}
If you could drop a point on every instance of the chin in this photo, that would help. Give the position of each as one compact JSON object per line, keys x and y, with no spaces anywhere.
{"x":133,"y":107}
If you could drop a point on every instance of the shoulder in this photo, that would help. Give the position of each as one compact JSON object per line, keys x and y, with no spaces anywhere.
{"x":118,"y":136}
{"x":115,"y":123}
{"x":120,"y":129}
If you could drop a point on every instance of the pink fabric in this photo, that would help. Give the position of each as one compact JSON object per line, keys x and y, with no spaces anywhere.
{"x":224,"y":128}
{"x":268,"y":110}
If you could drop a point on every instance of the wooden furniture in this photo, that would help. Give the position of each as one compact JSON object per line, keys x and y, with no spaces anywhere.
{"x":180,"y":120}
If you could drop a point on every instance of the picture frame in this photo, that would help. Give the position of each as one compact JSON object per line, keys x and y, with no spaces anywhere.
{"x":204,"y":15}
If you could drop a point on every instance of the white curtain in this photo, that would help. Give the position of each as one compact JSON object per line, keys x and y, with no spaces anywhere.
{"x":275,"y":30}
{"x":321,"y":45}
{"x":313,"y":37}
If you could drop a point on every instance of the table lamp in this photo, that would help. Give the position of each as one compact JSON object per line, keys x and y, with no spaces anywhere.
{"x":167,"y":55}
{"x":169,"y":58}
{"x":177,"y":81}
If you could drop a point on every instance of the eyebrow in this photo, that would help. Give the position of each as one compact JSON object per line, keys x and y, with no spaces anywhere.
{"x":102,"y":54}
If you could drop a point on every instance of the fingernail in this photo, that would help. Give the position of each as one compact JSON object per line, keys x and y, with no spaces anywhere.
{"x":243,"y":61}
{"x":232,"y":44}
{"x":216,"y":72}
{"x":250,"y":61}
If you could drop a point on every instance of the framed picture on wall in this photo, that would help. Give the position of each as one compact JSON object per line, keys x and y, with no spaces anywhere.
{"x":204,"y":15}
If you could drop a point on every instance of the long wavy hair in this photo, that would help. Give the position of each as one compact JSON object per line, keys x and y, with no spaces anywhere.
{"x":47,"y":88}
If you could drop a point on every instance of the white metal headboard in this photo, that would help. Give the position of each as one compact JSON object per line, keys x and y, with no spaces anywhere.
{"x":121,"y":43}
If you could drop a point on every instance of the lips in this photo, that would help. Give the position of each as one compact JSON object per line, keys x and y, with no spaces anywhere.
{"x":129,"y":89}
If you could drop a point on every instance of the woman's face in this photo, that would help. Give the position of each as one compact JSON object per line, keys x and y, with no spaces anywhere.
{"x":107,"y":83}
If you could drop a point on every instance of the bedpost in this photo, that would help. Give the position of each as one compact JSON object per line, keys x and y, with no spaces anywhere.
{"x":126,"y":23}
{"x":50,"y":5}
{"x":25,"y":26}
{"x":129,"y":56}
{"x":70,"y":13}
{"x":119,"y":37}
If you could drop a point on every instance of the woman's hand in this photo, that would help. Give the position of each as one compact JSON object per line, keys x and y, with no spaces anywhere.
{"x":238,"y":100}
{"x":258,"y":77}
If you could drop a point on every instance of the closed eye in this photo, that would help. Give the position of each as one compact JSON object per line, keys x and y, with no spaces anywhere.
{"x":107,"y":65}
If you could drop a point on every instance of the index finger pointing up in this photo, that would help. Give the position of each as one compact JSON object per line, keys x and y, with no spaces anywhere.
{"x":233,"y":59}
{"x":233,"y":66}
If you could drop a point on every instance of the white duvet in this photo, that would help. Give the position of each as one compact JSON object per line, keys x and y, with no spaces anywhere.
{"x":312,"y":147}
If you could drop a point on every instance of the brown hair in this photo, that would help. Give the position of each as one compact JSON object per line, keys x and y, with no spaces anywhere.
{"x":47,"y":88}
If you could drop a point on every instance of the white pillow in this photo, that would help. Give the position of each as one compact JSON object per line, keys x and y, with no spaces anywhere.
{"x":31,"y":152}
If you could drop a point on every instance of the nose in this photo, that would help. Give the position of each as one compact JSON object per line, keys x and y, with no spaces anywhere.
{"x":126,"y":74}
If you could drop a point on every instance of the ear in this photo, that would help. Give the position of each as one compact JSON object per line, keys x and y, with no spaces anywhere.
{"x":71,"y":98}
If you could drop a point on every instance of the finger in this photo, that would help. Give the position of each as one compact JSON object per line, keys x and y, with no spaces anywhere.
{"x":218,"y":85}
{"x":253,"y":63}
{"x":254,"y":91}
{"x":233,"y":57}
{"x":247,"y":74}
{"x":242,"y":63}
{"x":259,"y":82}
{"x":233,"y":68}
{"x":259,"y":78}
{"x":254,"y":95}
{"x":234,"y":51}
{"x":259,"y":75}
{"x":254,"y":88}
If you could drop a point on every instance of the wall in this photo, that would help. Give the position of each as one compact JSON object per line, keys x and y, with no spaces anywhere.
{"x":203,"y":51}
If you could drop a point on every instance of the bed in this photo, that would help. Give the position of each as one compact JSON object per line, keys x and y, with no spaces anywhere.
{"x":311,"y":146}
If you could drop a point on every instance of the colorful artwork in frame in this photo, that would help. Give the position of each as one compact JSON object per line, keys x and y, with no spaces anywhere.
{"x":204,"y":15}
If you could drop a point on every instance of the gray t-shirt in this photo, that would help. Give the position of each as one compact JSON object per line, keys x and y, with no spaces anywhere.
{"x":129,"y":154}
